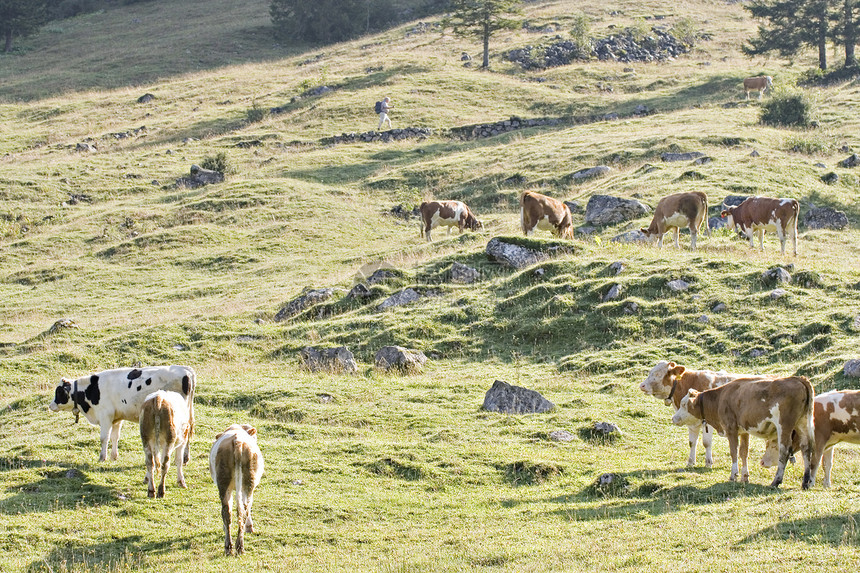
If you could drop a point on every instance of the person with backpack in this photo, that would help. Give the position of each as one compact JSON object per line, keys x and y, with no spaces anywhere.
{"x":382,"y":108}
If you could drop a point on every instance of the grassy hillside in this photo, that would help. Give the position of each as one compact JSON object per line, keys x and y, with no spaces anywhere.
{"x":379,"y":472}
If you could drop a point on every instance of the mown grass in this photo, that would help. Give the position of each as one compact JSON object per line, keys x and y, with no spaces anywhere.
{"x":381,"y":472}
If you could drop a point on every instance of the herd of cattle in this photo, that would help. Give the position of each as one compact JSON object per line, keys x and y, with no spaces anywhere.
{"x":161,"y":398}
{"x":753,"y":217}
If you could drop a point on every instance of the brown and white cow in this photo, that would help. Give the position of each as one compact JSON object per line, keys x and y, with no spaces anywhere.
{"x":758,"y":83}
{"x":759,"y":214}
{"x":837,"y":420}
{"x":448,"y":214}
{"x":236,"y":463}
{"x":670,"y":382}
{"x":541,"y":212}
{"x":110,"y":397}
{"x":165,"y":427}
{"x":770,"y":409}
{"x":676,"y":211}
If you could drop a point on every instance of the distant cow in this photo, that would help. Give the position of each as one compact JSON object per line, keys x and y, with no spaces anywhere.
{"x":837,"y":419}
{"x":448,"y":214}
{"x":758,"y":83}
{"x":676,"y":211}
{"x":107,"y":398}
{"x":236,"y":463}
{"x":541,"y":212}
{"x":770,"y":409}
{"x":164,"y":428}
{"x":759,"y":214}
{"x":670,"y":382}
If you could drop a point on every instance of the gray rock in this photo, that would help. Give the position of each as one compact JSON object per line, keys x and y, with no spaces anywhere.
{"x":850,"y":161}
{"x":381,"y":276}
{"x":539,"y":272}
{"x":509,"y":399}
{"x":561,"y":436}
{"x":588,"y":173}
{"x":200,"y":177}
{"x":825,"y":218}
{"x":754,"y":153}
{"x":85,"y":147}
{"x":857,"y":322}
{"x":613,"y":294}
{"x":406,"y":296}
{"x":757,"y":353}
{"x":703,"y":160}
{"x":852,"y":368}
{"x":400,"y":358}
{"x":820,"y":166}
{"x":463,"y":274}
{"x":513,"y":256}
{"x":704,"y":319}
{"x":464,"y":57}
{"x":778,"y":293}
{"x":585,"y":230}
{"x":678,"y":285}
{"x":717,"y":223}
{"x":359,"y":292}
{"x":734,"y":200}
{"x":608,"y":210}
{"x":667,"y":157}
{"x":333,"y":360}
{"x":575,"y":207}
{"x":306,"y":300}
{"x":145,"y":98}
{"x":631,"y":308}
{"x":776,"y":275}
{"x":719,"y":307}
{"x":830,"y":178}
{"x":610,"y":116}
{"x":617,"y":267}
{"x":606,"y":428}
{"x":641,"y":109}
{"x":634,"y":236}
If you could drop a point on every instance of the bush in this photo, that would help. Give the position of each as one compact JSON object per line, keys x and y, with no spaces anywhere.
{"x":686,"y":31}
{"x":580,"y":32}
{"x":217,"y":163}
{"x":257,"y":113}
{"x":787,"y":107}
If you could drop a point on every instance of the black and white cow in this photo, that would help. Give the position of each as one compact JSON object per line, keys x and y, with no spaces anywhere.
{"x":107,"y":398}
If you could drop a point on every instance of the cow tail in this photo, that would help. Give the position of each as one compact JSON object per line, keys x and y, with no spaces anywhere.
{"x":192,"y":379}
{"x":239,"y":454}
{"x":156,"y":437}
{"x":707,"y":223}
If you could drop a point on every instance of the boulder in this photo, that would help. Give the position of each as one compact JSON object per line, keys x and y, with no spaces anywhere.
{"x":734,"y":200}
{"x":719,"y":307}
{"x":513,"y":256}
{"x":335,"y":360}
{"x":606,"y":429}
{"x":717,"y":223}
{"x":852,"y":368}
{"x":590,"y":172}
{"x":145,"y":98}
{"x":690,"y":156}
{"x":776,"y":275}
{"x":850,"y":161}
{"x":631,"y":308}
{"x":616,"y":267}
{"x":463,"y":274}
{"x":778,"y":293}
{"x":406,"y":296}
{"x":634,"y":236}
{"x":830,"y":178}
{"x":825,"y":218}
{"x":509,"y":399}
{"x":358,"y":292}
{"x":575,"y":207}
{"x":200,"y":177}
{"x":85,"y":147}
{"x":380,"y":276}
{"x":400,"y":358}
{"x":306,"y":300}
{"x":608,"y":210}
{"x":561,"y":436}
{"x":614,"y":293}
{"x":678,"y":285}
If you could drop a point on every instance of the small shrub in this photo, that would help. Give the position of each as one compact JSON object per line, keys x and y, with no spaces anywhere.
{"x":580,"y":32}
{"x":787,"y":108}
{"x":807,"y":146}
{"x":257,"y":113}
{"x":686,"y":31}
{"x":218,"y":163}
{"x":639,"y":30}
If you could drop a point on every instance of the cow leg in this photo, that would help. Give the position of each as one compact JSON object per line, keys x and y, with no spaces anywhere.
{"x":114,"y":439}
{"x":249,"y":523}
{"x":733,"y":450}
{"x":761,"y":239}
{"x":659,"y":240}
{"x":744,"y":454}
{"x":794,"y":240}
{"x":149,"y":480}
{"x":104,"y":434}
{"x":241,"y":507}
{"x":784,"y":440}
{"x":677,"y":234}
{"x":827,"y":461}
{"x":165,"y":466}
{"x":805,"y":435}
{"x":180,"y":477}
{"x":693,"y":232}
{"x":694,"y":438}
{"x":226,"y":517}
{"x":708,"y":442}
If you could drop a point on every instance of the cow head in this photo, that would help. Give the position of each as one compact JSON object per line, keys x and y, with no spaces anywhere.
{"x":248,"y":429}
{"x":684,"y":416}
{"x":472,"y":223}
{"x":651,"y":235}
{"x":62,"y":397}
{"x":769,"y":81}
{"x":728,"y":215}
{"x":661,"y":379}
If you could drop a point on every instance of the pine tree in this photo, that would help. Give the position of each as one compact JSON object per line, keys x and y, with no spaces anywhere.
{"x":20,"y":18}
{"x":790,"y":26}
{"x":845,"y":30}
{"x":482,"y":18}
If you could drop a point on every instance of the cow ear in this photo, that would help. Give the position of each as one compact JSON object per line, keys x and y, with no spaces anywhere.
{"x":65,"y":382}
{"x":217,"y":436}
{"x":252,"y":431}
{"x":692,"y":393}
{"x":724,"y":214}
{"x":677,"y":370}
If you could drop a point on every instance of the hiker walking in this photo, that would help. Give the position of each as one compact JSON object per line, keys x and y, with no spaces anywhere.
{"x":382,"y":108}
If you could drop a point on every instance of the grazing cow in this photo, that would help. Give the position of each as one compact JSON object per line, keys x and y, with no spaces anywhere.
{"x":759,"y":214}
{"x":236,"y":463}
{"x":758,"y":83}
{"x":837,"y":419}
{"x":541,"y":212}
{"x":670,"y":382}
{"x":449,"y":214}
{"x":676,"y":211}
{"x":164,"y":427}
{"x":770,"y":409}
{"x":107,"y":398}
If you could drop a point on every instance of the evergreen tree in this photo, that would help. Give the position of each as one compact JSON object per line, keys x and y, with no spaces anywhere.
{"x":20,"y":18}
{"x":845,"y":30}
{"x":482,"y":18}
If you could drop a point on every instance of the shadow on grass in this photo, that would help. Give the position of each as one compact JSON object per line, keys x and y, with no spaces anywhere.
{"x":835,"y":530}
{"x":126,"y":551}
{"x":62,"y":486}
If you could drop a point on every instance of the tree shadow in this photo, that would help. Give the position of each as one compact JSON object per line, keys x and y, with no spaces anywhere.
{"x":835,"y":530}
{"x":129,"y":551}
{"x":62,"y":486}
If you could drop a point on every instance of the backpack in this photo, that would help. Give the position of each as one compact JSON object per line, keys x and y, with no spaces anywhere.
{"x":378,"y":107}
